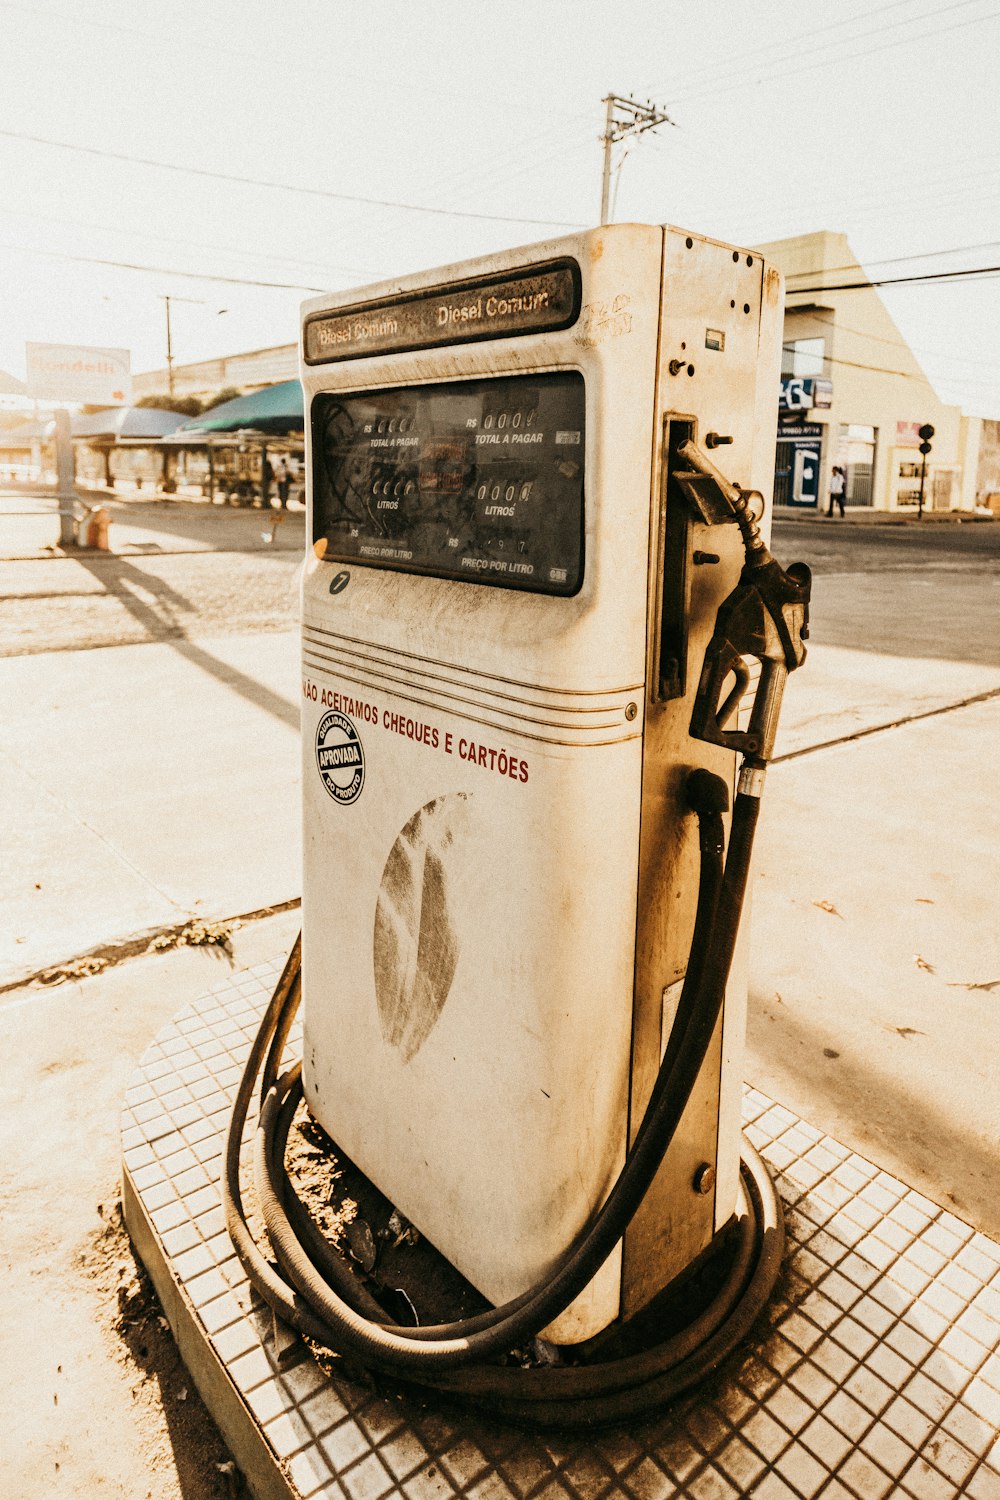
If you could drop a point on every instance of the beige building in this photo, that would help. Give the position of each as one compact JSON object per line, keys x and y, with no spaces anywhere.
{"x":854,"y":394}
{"x":244,"y":372}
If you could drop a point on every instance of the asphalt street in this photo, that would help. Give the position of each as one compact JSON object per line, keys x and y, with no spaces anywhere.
{"x":183,"y":571}
{"x":929,"y":590}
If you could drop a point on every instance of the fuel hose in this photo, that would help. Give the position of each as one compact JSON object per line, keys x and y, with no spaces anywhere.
{"x":313,"y":1289}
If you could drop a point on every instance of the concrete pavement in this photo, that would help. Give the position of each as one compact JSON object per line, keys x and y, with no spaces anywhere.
{"x":148,"y":784}
{"x":145,"y":785}
{"x":29,"y":525}
{"x":102,"y":1406}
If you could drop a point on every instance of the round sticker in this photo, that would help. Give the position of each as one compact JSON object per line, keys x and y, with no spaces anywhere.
{"x":340,"y":757}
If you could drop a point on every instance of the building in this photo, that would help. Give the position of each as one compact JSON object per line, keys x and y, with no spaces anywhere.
{"x":242,"y":372}
{"x":854,"y":394}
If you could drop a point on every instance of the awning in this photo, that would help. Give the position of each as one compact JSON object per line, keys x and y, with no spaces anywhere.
{"x":127,"y":422}
{"x":276,"y":410}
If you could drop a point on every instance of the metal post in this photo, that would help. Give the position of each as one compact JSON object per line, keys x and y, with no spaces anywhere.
{"x":608,"y":139}
{"x":923,"y":473}
{"x":170,"y":354}
{"x":65,"y":490}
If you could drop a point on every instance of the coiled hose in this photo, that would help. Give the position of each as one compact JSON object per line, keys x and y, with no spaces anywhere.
{"x":313,"y":1289}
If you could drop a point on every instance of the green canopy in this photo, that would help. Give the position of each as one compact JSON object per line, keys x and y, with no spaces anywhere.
{"x":276,"y":409}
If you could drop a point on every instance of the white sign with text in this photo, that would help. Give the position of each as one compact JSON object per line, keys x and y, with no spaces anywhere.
{"x":73,"y":372}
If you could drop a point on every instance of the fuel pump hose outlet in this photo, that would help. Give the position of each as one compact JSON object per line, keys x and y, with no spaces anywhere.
{"x":313,"y":1290}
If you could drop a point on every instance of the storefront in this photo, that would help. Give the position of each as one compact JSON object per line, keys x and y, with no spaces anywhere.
{"x":797,"y":464}
{"x":853,"y":395}
{"x":802,"y":433}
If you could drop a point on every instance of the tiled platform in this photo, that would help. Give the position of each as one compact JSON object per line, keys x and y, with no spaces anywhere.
{"x":879,"y":1373}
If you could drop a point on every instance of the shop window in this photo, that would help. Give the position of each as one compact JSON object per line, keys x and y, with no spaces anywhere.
{"x":803,"y":357}
{"x":856,"y":455}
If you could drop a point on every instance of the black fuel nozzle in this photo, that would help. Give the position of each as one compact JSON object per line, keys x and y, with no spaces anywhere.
{"x":765,"y":618}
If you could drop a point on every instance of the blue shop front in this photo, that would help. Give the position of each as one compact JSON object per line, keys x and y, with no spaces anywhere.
{"x":798,"y":465}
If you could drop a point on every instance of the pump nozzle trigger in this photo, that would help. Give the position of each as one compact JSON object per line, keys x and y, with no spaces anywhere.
{"x":765,"y":619}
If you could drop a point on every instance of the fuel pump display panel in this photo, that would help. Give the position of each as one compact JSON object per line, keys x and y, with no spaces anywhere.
{"x":479,"y":480}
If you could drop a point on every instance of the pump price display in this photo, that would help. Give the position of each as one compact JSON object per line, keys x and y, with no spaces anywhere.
{"x":480,"y":480}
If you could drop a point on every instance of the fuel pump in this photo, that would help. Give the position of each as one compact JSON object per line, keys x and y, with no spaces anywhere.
{"x":543,"y":649}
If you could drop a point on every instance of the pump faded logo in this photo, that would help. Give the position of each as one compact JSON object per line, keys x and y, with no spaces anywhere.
{"x":340,"y":757}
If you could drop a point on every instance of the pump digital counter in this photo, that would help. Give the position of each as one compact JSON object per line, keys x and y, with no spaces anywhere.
{"x":479,"y":480}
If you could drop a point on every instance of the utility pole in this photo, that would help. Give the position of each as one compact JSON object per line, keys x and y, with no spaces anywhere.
{"x":65,"y":478}
{"x":167,"y":298}
{"x":625,"y":117}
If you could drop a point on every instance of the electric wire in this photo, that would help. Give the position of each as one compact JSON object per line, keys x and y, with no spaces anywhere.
{"x":936,"y":192}
{"x":128,"y":265}
{"x":767,"y":49}
{"x":852,"y":364}
{"x":894,"y":260}
{"x":751,"y":79}
{"x":172,"y":239}
{"x":834,"y":323}
{"x":277,"y":186}
{"x":967,"y":273}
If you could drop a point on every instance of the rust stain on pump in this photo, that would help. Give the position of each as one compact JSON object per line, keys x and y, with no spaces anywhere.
{"x":416,"y":949}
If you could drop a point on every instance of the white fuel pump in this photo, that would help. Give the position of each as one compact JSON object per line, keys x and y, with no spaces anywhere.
{"x":517,"y":564}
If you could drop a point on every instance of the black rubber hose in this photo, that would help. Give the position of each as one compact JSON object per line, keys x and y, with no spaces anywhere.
{"x":395,"y":1349}
{"x":657,"y":1378}
{"x":580,"y":1380}
{"x":708,"y":798}
{"x":708,"y":794}
{"x":571,"y":1393}
{"x":262,"y":1275}
{"x":327,"y":1260}
{"x":626,"y":1386}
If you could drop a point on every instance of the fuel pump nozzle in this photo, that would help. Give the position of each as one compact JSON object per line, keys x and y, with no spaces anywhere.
{"x":766,"y":618}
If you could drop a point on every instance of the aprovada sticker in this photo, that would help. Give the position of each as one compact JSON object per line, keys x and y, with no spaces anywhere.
{"x":340,"y":757}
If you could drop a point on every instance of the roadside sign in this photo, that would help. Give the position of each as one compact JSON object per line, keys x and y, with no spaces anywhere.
{"x":74,"y":372}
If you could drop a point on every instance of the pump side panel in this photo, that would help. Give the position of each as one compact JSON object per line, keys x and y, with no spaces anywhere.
{"x":719,"y":353}
{"x":469,"y":915}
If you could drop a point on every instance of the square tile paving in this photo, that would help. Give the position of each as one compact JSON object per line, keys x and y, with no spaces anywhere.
{"x":877,"y":1372}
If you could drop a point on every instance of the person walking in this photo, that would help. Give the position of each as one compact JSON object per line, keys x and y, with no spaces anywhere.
{"x":284,"y":477}
{"x":838,"y":484}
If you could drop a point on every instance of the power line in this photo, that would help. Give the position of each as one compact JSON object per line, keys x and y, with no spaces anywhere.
{"x":281,"y":187}
{"x":854,"y":365}
{"x":172,"y":239}
{"x":128,"y":265}
{"x":741,"y":80}
{"x":893,"y":260}
{"x":833,"y":322}
{"x":921,"y":378}
{"x":819,"y":205}
{"x":971,"y":273}
{"x":214,"y":50}
{"x":767,"y":48}
{"x":795,"y":54}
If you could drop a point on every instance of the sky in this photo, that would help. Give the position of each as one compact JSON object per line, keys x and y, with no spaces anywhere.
{"x":318,"y":145}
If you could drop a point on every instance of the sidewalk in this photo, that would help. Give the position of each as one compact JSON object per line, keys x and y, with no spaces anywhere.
{"x":864,"y":515}
{"x":170,"y":792}
{"x":145,"y":785}
{"x":155,"y":783}
{"x":29,"y":525}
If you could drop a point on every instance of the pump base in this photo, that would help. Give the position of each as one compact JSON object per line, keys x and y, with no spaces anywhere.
{"x":753,"y":1428}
